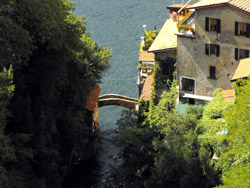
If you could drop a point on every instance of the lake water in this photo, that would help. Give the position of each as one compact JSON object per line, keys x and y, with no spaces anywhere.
{"x":117,"y":24}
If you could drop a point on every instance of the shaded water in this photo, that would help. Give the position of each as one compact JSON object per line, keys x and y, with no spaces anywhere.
{"x":117,"y":24}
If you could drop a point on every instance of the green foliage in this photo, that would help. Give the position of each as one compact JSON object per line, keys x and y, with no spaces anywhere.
{"x":165,"y":71}
{"x":151,"y":34}
{"x":137,"y":154}
{"x":154,"y":99}
{"x":55,"y":66}
{"x":216,"y":107}
{"x":143,"y":112}
{"x":145,"y":68}
{"x":147,"y":44}
{"x":168,"y":152}
{"x":157,"y":79}
{"x":6,"y":150}
{"x":178,"y":159}
{"x":196,"y":111}
{"x":235,"y":160}
{"x":166,"y":104}
{"x":149,"y":38}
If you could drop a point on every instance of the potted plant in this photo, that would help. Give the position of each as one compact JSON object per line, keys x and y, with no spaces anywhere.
{"x":192,"y":30}
{"x":185,"y":28}
{"x":180,"y":28}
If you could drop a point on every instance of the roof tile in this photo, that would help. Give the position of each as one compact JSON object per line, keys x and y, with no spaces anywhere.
{"x":243,"y":69}
{"x":166,"y":39}
{"x":228,"y":94}
{"x":147,"y":88}
{"x":240,"y":4}
{"x":146,"y":56}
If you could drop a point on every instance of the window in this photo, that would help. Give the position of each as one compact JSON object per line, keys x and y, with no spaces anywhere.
{"x":241,"y":53}
{"x":212,"y":72}
{"x":212,"y":24}
{"x":188,"y":85}
{"x":242,"y":29}
{"x":212,"y":49}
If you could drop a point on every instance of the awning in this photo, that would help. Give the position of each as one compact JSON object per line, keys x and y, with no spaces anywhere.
{"x":148,"y":63}
{"x":192,"y":96}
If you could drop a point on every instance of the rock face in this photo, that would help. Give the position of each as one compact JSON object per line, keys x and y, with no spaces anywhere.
{"x":192,"y":61}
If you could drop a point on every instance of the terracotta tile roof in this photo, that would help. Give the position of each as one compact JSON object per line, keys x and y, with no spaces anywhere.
{"x":228,"y":95}
{"x":166,"y":39}
{"x":147,"y":88}
{"x":146,"y":56}
{"x":243,"y":5}
{"x":93,"y":99}
{"x":243,"y":69}
{"x":208,"y":3}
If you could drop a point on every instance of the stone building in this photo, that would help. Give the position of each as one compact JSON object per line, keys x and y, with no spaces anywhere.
{"x":209,"y":59}
{"x":91,"y":108}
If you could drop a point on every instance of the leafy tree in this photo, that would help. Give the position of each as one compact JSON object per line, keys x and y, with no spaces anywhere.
{"x":235,"y":160}
{"x":6,"y":150}
{"x":216,"y":107}
{"x":55,"y":66}
{"x":177,"y":160}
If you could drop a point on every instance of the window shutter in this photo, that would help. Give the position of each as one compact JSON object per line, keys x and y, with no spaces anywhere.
{"x":247,"y":53}
{"x":207,"y":49}
{"x":217,"y":50}
{"x":236,"y":53}
{"x":236,"y":28}
{"x":218,"y":25}
{"x":207,"y":24}
{"x":248,"y":31}
{"x":212,"y":72}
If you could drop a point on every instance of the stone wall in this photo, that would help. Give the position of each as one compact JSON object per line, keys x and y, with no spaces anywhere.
{"x":162,"y":56}
{"x":194,"y":63}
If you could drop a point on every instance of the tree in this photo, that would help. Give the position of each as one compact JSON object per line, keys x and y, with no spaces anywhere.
{"x":6,"y":150}
{"x":235,"y":159}
{"x":55,"y":65}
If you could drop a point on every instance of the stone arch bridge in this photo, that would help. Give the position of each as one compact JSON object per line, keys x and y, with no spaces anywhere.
{"x":119,"y":100}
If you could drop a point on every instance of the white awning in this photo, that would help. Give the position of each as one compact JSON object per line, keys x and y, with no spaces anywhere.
{"x":148,"y":63}
{"x":192,"y":96}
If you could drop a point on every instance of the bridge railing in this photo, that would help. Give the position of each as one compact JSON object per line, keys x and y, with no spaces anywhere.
{"x":119,"y":100}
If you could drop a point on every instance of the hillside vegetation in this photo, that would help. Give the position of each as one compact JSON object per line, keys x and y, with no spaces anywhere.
{"x":48,"y":66}
{"x":205,"y":147}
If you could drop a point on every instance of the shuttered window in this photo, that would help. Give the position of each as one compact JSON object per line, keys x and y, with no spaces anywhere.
{"x":242,"y":29}
{"x":212,"y":72}
{"x":212,"y":24}
{"x":241,"y":53}
{"x":212,"y":49}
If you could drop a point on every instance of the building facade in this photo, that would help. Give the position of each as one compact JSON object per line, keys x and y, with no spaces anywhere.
{"x":209,"y":59}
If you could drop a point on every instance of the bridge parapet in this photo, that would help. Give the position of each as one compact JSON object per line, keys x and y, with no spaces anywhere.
{"x":119,"y":100}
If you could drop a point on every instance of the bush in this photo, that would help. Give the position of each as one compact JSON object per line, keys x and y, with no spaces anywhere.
{"x":216,"y":107}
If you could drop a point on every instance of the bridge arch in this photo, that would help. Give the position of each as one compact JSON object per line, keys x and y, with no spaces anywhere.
{"x":119,"y":100}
